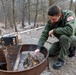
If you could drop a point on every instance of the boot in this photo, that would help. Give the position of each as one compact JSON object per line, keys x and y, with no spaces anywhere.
{"x":71,"y":52}
{"x":58,"y":64}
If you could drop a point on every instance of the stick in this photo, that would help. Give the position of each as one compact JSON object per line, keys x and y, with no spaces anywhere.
{"x":7,"y":59}
{"x":17,"y":60}
{"x":29,"y":30}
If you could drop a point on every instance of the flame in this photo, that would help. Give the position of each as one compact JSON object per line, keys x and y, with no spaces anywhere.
{"x":34,"y":62}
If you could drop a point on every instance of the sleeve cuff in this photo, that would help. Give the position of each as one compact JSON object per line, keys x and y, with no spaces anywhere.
{"x":39,"y":48}
{"x":54,"y":31}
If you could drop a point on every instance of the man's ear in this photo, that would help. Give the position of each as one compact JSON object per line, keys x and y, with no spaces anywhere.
{"x":60,"y":14}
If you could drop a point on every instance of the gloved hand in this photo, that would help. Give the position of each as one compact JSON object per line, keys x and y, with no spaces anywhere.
{"x":36,"y":52}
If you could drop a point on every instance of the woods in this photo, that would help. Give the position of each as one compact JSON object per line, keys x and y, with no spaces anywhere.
{"x":29,"y":12}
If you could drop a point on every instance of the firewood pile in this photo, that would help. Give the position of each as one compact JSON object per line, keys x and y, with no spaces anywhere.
{"x":28,"y":60}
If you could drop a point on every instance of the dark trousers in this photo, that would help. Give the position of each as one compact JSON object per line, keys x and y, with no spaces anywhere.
{"x":62,"y":46}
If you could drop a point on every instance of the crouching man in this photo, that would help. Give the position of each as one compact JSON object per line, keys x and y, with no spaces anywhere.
{"x":61,"y":24}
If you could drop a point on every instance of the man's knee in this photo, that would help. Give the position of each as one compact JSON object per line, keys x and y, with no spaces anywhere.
{"x":64,"y":37}
{"x":65,"y":41}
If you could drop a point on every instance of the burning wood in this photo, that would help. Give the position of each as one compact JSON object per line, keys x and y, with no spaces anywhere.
{"x":28,"y":60}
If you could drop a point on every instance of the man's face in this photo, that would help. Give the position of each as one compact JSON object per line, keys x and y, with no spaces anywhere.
{"x":54,"y":19}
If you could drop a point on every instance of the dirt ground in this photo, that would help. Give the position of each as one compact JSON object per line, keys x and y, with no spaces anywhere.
{"x":70,"y":66}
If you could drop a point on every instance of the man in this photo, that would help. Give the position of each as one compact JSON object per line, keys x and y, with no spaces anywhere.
{"x":61,"y":24}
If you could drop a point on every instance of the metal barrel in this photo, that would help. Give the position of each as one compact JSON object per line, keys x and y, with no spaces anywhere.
{"x":36,"y":70}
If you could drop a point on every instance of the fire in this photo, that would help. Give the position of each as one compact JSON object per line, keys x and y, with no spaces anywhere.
{"x":34,"y":62}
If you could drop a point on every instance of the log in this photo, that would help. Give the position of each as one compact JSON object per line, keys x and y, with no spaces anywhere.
{"x":7,"y":59}
{"x":17,"y":60}
{"x":16,"y":63}
{"x":29,"y":30}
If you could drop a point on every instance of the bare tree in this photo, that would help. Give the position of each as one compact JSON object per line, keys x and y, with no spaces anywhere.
{"x":50,"y":2}
{"x":5,"y":17}
{"x":13,"y":2}
{"x":71,"y":3}
{"x":23,"y":13}
{"x":75,"y":7}
{"x":36,"y":12}
{"x":9,"y":13}
{"x":43,"y":11}
{"x":29,"y":12}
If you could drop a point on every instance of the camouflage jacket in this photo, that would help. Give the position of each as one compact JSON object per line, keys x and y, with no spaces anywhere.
{"x":65,"y":26}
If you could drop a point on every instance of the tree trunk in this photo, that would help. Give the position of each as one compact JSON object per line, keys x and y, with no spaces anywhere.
{"x":23,"y":13}
{"x":75,"y":11}
{"x":5,"y":18}
{"x":50,"y":2}
{"x":71,"y":2}
{"x":13,"y":2}
{"x":43,"y":12}
{"x":75,"y":7}
{"x":29,"y":12}
{"x":36,"y":13}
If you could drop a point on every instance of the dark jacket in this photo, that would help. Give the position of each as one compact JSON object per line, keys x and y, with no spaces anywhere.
{"x":65,"y":26}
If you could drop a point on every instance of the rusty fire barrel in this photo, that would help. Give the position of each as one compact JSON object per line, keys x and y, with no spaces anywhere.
{"x":36,"y":70}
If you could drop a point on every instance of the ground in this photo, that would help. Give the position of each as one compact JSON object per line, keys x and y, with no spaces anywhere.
{"x":70,"y":66}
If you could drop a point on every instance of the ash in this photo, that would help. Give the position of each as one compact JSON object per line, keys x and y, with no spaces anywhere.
{"x":28,"y":60}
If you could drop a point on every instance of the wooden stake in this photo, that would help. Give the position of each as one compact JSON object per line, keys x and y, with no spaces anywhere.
{"x":17,"y":60}
{"x":7,"y":59}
